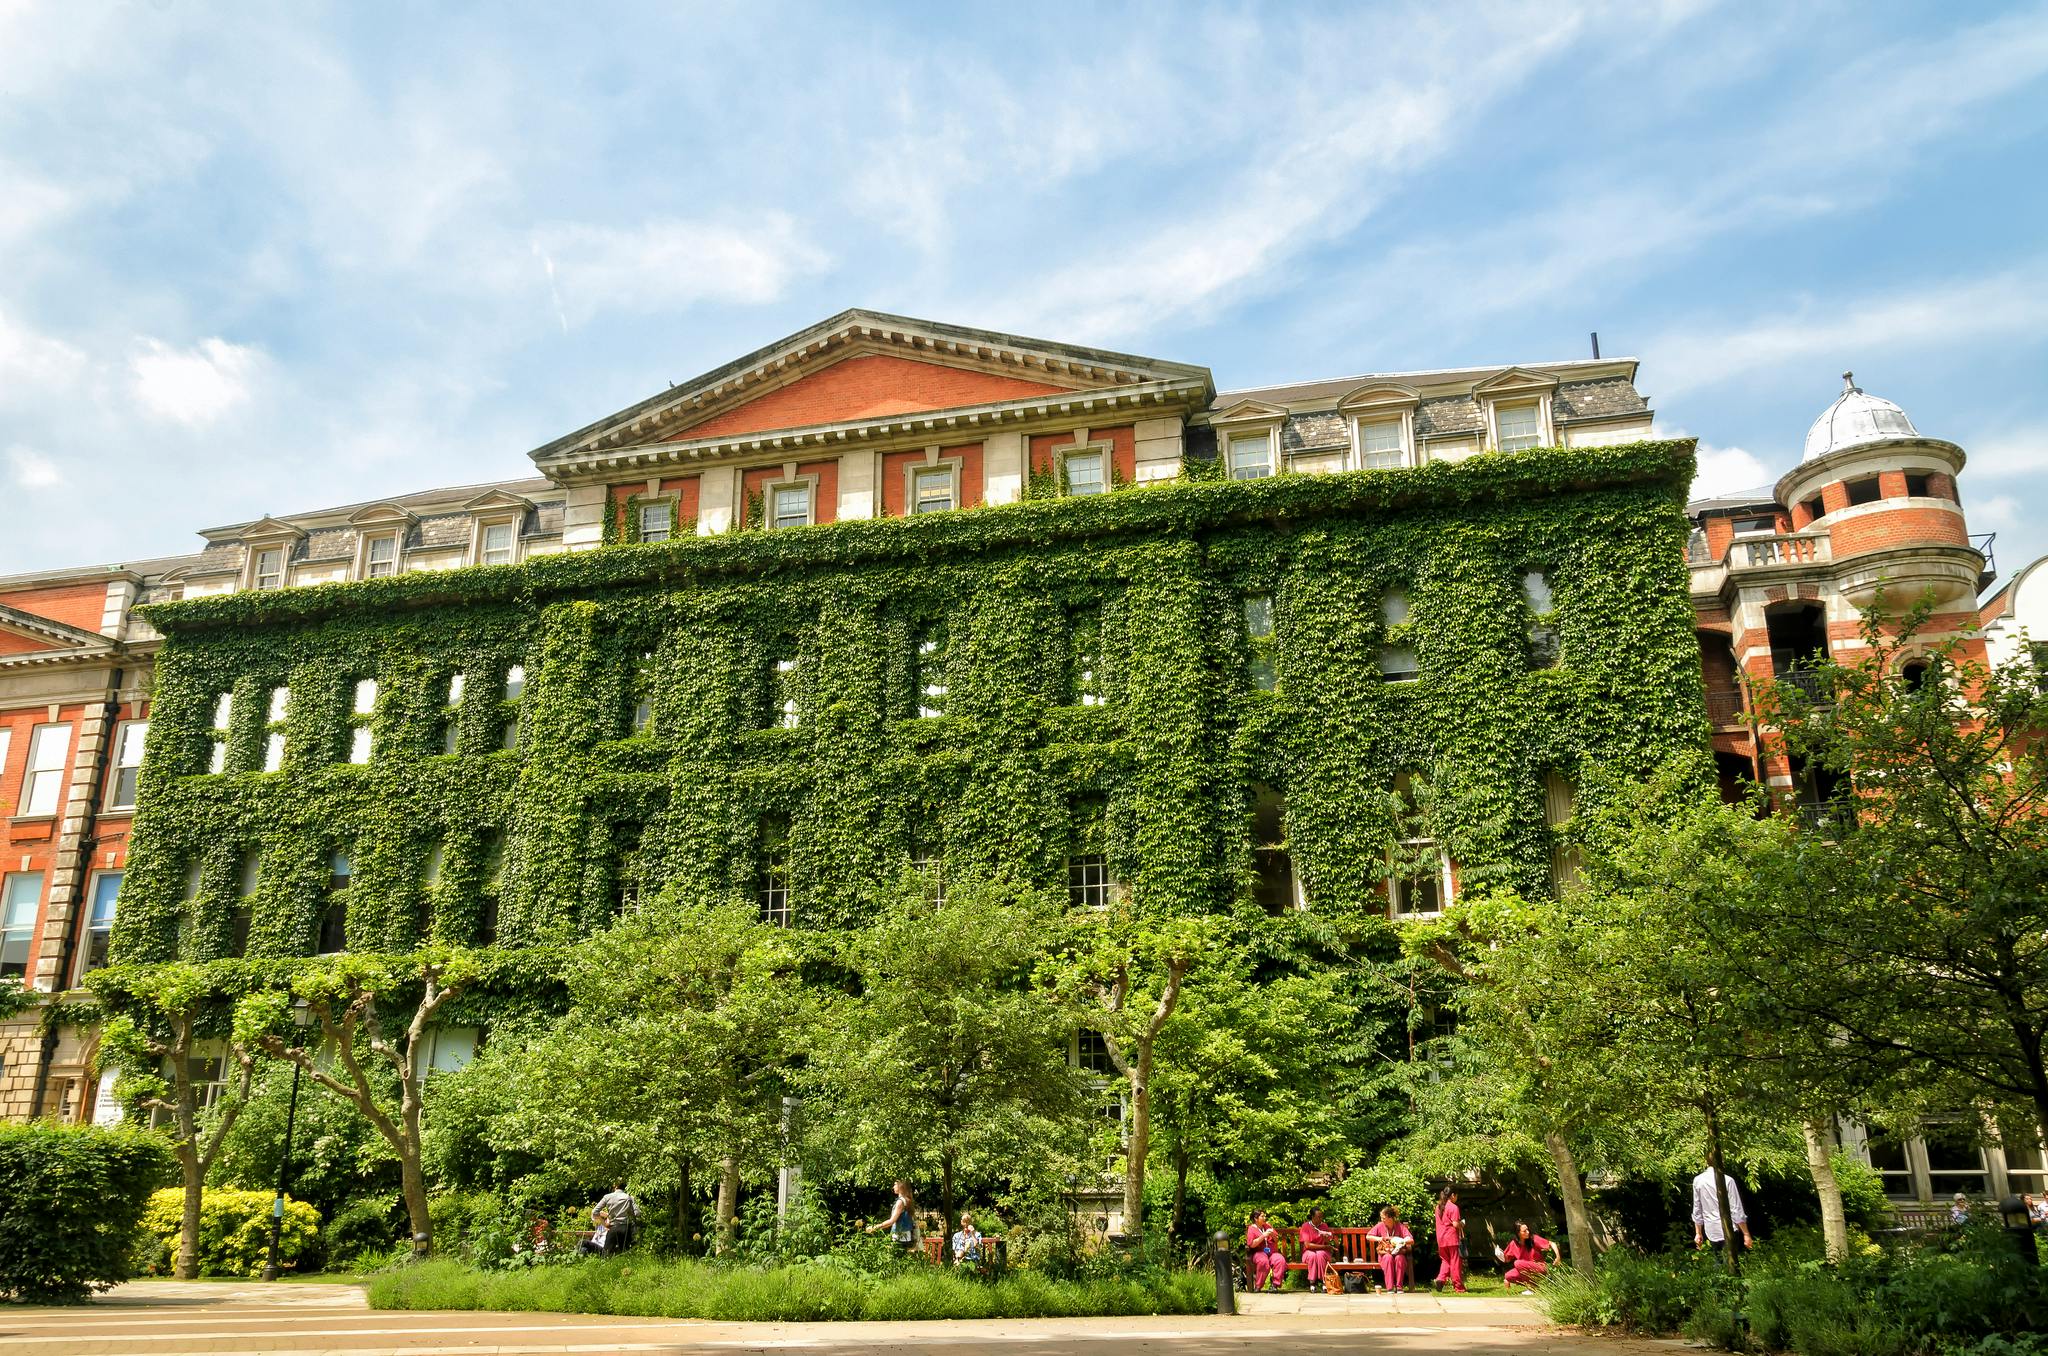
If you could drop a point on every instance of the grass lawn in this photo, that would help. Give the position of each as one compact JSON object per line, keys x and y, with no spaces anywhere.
{"x":805,"y":1291}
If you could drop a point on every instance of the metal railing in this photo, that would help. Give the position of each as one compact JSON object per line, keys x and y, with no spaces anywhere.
{"x":1724,"y":705}
{"x":1980,"y":542}
{"x":1812,"y":685}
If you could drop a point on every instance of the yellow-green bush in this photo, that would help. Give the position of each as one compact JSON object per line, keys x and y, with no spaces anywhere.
{"x":234,"y":1231}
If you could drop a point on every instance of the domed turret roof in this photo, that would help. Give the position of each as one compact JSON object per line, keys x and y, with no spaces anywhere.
{"x":1856,"y":418}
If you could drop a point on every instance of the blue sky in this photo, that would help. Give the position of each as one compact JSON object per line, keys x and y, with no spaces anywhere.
{"x":264,"y":258}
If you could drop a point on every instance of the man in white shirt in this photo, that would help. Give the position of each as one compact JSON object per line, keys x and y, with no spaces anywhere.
{"x":1706,"y":1211}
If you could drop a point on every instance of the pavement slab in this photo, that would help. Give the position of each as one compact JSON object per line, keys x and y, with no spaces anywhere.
{"x":169,"y":1318}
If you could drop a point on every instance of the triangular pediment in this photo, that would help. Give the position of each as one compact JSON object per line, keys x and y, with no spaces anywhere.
{"x":24,"y":632}
{"x":1248,"y":412}
{"x":1380,"y":395}
{"x":495,"y":499}
{"x":862,"y":366}
{"x":267,"y":528}
{"x":1514,"y":381}
{"x":377,"y":515}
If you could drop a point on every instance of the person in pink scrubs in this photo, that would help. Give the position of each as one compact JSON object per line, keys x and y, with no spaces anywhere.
{"x":1450,"y":1238}
{"x":1396,"y":1271}
{"x":1524,"y":1256}
{"x":1262,"y":1241}
{"x":1315,"y":1247}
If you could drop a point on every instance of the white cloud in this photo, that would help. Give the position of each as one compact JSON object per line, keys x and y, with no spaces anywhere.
{"x":1838,"y":333}
{"x":193,"y":386}
{"x":1999,"y":513}
{"x":1727,"y":470}
{"x":32,"y":470}
{"x":2011,"y":453}
{"x":34,"y":365}
{"x":672,"y":264}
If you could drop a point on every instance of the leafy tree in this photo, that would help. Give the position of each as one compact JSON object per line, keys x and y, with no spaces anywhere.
{"x":949,"y":1060}
{"x":1921,"y":930}
{"x":150,"y":1039}
{"x":337,"y":1156}
{"x":350,"y":1000}
{"x":685,"y":1027}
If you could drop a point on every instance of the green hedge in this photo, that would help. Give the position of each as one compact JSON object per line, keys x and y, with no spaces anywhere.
{"x":234,"y":1231}
{"x":811,"y":1291}
{"x":70,"y":1200}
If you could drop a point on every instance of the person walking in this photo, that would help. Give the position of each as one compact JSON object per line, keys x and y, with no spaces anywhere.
{"x":1315,"y":1247}
{"x":1706,"y":1210}
{"x":1524,"y":1256}
{"x":1397,"y":1247}
{"x":902,"y":1221}
{"x":1262,"y":1242}
{"x":1450,"y":1242}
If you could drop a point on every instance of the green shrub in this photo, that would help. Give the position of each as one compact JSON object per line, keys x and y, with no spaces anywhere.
{"x":360,"y":1229}
{"x":70,"y":1200}
{"x":234,"y":1231}
{"x":1356,"y":1200}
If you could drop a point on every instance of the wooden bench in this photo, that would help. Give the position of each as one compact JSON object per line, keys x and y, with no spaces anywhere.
{"x":993,"y":1254}
{"x":1350,"y":1250}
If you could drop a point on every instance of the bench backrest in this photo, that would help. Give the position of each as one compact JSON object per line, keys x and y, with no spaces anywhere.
{"x":1349,"y":1245}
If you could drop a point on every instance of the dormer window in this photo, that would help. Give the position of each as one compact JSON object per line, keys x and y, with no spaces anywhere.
{"x":1082,"y":473}
{"x":1251,"y":455}
{"x":497,"y":545}
{"x":790,"y":506}
{"x":1381,"y":446}
{"x":1518,"y":427}
{"x":269,"y":571}
{"x":380,"y":557}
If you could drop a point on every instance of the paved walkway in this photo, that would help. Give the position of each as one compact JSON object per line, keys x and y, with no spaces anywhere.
{"x":167,"y":1318}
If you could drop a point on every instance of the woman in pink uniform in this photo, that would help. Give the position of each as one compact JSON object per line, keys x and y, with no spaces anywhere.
{"x":1524,"y":1256}
{"x":1315,"y":1247}
{"x":1396,"y":1271}
{"x":1262,"y":1241}
{"x":1450,"y":1238}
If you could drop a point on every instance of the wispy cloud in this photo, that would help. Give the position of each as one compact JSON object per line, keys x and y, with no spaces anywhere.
{"x":1921,"y":319}
{"x":671,"y":265}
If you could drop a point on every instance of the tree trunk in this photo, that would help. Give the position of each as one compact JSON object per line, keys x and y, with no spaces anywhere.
{"x":946,"y":1203}
{"x":728,"y":1201}
{"x":414,"y":1183}
{"x":187,"y":1267}
{"x":1578,"y":1225}
{"x":1834,"y":1223}
{"x":1178,"y":1226}
{"x":683,"y":1210}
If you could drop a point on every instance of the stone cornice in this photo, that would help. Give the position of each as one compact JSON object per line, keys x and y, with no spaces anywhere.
{"x":962,"y":424}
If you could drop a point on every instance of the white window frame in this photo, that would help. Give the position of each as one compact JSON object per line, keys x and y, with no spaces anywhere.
{"x":1396,"y":883}
{"x":1102,"y":452}
{"x":370,"y":562}
{"x":1396,"y":677}
{"x":1265,"y":468}
{"x":788,"y":714}
{"x":1096,"y":887}
{"x":92,"y":923}
{"x":1403,"y":452}
{"x":771,"y":516}
{"x":483,"y":549}
{"x":1538,"y":405}
{"x":257,"y":574}
{"x":18,"y":912}
{"x":130,"y":738}
{"x":42,"y":780}
{"x":666,"y":503}
{"x":918,"y":472}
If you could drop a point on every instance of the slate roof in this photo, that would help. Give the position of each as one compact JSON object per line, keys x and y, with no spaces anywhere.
{"x":1594,"y":399}
{"x":1458,"y":414}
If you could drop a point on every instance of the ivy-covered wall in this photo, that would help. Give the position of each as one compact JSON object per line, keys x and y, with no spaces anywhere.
{"x":691,"y":707}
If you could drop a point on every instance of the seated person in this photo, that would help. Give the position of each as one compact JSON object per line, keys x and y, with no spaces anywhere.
{"x":967,"y":1244}
{"x":1396,"y":1247}
{"x":1262,"y":1243}
{"x":1524,"y":1256}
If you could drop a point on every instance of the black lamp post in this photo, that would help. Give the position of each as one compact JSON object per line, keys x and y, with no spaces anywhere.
{"x":2019,"y":1225}
{"x":302,"y":1017}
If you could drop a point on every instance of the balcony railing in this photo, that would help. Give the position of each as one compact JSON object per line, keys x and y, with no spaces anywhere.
{"x":1981,"y":543}
{"x":1812,"y":685}
{"x":1724,"y":705}
{"x":1794,"y":548}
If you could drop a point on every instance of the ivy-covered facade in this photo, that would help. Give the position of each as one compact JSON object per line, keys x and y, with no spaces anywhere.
{"x":1124,"y":692}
